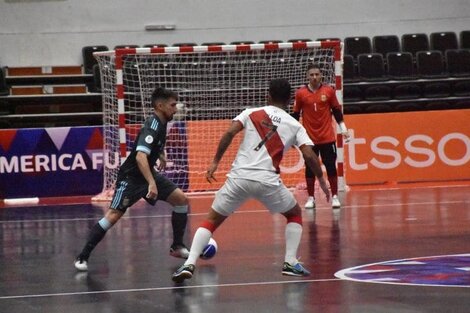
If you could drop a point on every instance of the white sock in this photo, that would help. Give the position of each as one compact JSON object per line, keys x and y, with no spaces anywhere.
{"x":293,"y":235}
{"x":200,"y":240}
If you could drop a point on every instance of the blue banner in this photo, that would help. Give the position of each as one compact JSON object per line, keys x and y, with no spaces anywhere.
{"x":69,"y":161}
{"x":51,"y":162}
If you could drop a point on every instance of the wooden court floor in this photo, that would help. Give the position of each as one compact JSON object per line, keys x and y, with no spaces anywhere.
{"x":130,"y":270}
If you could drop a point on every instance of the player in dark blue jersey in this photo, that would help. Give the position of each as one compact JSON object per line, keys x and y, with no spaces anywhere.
{"x":138,"y":179}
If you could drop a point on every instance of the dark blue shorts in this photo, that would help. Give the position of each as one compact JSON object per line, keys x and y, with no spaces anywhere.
{"x":129,"y":190}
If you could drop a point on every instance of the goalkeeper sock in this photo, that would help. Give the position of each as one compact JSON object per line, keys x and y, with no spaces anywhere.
{"x":310,"y":186}
{"x":333,"y":180}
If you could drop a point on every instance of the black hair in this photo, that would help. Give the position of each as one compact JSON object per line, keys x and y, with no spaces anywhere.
{"x":313,"y":66}
{"x":280,"y":90}
{"x":161,"y":93}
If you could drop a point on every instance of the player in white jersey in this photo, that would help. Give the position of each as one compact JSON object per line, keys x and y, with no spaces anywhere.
{"x":269,"y":132}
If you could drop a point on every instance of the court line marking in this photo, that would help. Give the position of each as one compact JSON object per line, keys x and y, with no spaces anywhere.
{"x":342,"y":274}
{"x":321,"y":208}
{"x":64,"y":294}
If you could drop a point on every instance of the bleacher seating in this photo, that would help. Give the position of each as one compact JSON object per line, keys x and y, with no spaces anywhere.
{"x":427,"y":73}
{"x":352,"y":93}
{"x":242,"y":42}
{"x":414,"y":42}
{"x":155,"y":45}
{"x":443,"y":41}
{"x":88,"y":59}
{"x":349,"y":69}
{"x":400,"y":65}
{"x":406,"y":91}
{"x":3,"y":84}
{"x":213,"y":43}
{"x":461,"y":88}
{"x":458,"y":62}
{"x":49,"y":96}
{"x":96,"y":85}
{"x":464,"y":39}
{"x":294,"y":40}
{"x":328,"y":39}
{"x":385,"y":44}
{"x":381,"y":74}
{"x":184,"y":44}
{"x":370,"y":66}
{"x":126,"y":46}
{"x":357,"y":45}
{"x":439,"y":105}
{"x":430,"y":64}
{"x":270,"y":41}
{"x":377,"y":93}
{"x":436,"y":89}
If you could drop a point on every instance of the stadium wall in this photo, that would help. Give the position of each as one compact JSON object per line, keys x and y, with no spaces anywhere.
{"x":52,"y":32}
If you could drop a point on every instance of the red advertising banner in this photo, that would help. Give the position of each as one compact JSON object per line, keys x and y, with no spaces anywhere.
{"x":408,"y":147}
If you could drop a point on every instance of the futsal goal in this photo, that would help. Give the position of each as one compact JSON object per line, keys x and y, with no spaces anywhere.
{"x":214,"y":83}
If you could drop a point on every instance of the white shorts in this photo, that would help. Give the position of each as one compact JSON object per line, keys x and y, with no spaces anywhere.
{"x":235,"y":191}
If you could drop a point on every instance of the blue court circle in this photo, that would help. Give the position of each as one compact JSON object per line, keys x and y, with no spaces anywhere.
{"x":442,"y":270}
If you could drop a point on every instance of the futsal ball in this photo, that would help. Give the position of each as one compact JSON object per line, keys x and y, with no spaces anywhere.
{"x":209,"y":250}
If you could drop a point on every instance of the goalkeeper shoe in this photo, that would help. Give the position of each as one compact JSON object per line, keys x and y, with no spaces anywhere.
{"x":294,"y":270}
{"x":335,"y":202}
{"x":182,"y":273}
{"x":310,"y":204}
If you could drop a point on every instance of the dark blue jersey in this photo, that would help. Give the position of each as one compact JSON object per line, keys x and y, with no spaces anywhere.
{"x":151,"y":141}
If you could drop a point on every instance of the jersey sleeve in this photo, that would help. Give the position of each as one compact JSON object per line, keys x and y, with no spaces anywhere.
{"x":334,"y":104}
{"x":298,"y":102}
{"x":146,"y":140}
{"x":302,"y":137}
{"x":242,"y":117}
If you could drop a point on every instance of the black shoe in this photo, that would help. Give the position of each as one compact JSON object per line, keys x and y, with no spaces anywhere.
{"x":184,"y":272}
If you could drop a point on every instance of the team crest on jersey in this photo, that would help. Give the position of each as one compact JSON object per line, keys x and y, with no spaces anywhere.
{"x":149,"y":139}
{"x":323,"y":98}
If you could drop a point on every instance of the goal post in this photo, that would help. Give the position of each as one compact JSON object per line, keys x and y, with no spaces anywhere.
{"x":214,"y":83}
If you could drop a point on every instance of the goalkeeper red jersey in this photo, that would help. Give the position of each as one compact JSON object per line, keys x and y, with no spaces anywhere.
{"x":315,"y":109}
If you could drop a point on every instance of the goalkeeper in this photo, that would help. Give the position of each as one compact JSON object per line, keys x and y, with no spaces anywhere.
{"x":138,"y":179}
{"x":316,"y":102}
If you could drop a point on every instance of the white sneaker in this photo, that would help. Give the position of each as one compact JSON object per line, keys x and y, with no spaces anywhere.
{"x":335,"y":202}
{"x":310,"y":204}
{"x":81,"y":265}
{"x":179,"y":251}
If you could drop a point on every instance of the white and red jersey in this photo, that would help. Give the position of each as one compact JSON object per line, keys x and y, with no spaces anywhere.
{"x":268,"y":133}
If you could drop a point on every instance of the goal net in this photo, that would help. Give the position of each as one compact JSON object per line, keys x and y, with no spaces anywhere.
{"x":214,"y":83}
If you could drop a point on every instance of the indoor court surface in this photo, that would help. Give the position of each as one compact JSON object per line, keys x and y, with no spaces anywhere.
{"x":130,"y":270}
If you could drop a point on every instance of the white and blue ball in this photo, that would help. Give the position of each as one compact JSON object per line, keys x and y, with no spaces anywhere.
{"x":209,"y":250}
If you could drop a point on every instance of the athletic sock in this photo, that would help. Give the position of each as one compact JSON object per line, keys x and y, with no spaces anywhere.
{"x":200,"y":240}
{"x":293,"y":234}
{"x":178,"y":221}
{"x":95,"y":235}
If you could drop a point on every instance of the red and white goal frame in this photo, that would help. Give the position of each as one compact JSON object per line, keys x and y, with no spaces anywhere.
{"x":117,"y":86}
